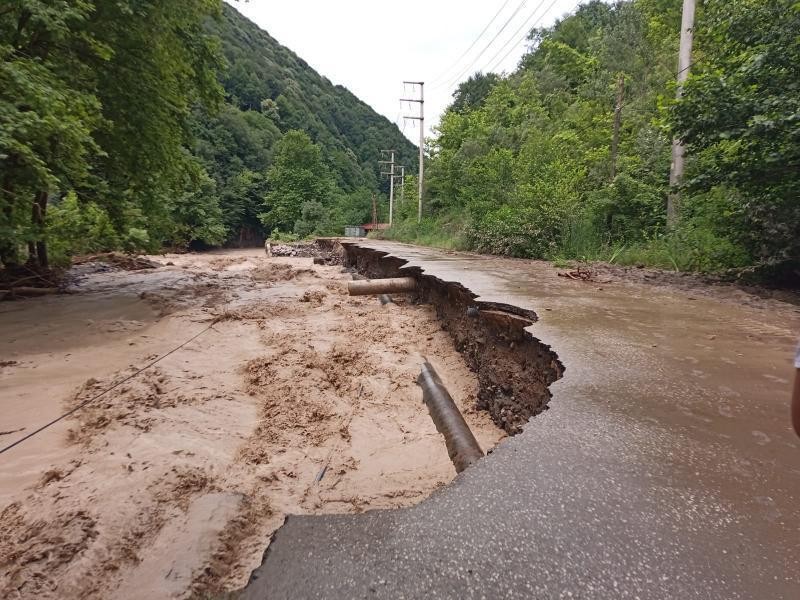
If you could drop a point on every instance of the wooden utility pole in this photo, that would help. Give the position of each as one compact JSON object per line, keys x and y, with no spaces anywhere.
{"x":390,"y":173}
{"x":421,"y":119}
{"x":678,"y":151}
{"x":617,"y":124}
{"x":374,"y":212}
{"x":402,"y":183}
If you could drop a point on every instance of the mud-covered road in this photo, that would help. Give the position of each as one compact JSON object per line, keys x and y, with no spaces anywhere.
{"x":294,"y":399}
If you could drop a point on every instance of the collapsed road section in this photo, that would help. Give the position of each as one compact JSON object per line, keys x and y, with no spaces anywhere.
{"x":514,"y":368}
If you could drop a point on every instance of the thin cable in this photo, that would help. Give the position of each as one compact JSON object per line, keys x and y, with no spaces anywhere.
{"x":104,"y":392}
{"x":467,"y":51}
{"x":482,"y":52}
{"x":526,"y":35}
{"x":527,"y":25}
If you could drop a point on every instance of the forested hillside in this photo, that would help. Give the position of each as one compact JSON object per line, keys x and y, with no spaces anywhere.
{"x":523,"y":164}
{"x":130,"y":124}
{"x":270,"y":91}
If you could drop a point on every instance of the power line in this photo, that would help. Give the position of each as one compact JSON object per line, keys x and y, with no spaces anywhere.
{"x":516,"y":33}
{"x":492,"y":41}
{"x":506,"y":55}
{"x":477,"y":39}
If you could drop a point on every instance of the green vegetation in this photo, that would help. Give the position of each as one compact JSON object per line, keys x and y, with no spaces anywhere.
{"x":135,"y":124}
{"x":525,"y":160}
{"x":272,"y":94}
{"x":138,"y":124}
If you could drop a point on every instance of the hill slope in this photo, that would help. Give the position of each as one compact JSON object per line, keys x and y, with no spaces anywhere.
{"x":269,"y":91}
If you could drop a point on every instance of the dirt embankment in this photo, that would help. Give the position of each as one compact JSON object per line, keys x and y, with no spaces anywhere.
{"x":297,"y":399}
{"x":514,"y":368}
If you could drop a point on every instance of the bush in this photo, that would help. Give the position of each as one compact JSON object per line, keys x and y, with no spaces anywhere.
{"x":691,"y":247}
{"x":511,"y":232}
{"x":628,"y":209}
{"x":75,"y":227}
{"x":580,"y":239}
{"x":279,"y":236}
{"x":138,"y":240}
{"x":312,"y":217}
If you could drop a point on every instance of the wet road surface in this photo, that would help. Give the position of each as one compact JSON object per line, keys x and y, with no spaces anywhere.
{"x":664,"y":468}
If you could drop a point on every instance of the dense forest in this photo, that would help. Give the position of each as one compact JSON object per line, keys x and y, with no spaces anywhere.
{"x":525,"y":164}
{"x":136,"y":124}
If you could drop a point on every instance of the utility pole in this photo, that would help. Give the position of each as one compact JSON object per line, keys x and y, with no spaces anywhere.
{"x":617,"y":124}
{"x":402,"y":183}
{"x":374,"y":212}
{"x":390,"y":162}
{"x":678,"y":151}
{"x":421,"y":119}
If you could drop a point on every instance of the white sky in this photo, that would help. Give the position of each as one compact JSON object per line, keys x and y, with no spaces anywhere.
{"x":370,"y":47}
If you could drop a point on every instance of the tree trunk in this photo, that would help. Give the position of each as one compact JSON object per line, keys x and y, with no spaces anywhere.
{"x":617,"y":125}
{"x":39,"y":214}
{"x":31,"y":262}
{"x":9,"y":254}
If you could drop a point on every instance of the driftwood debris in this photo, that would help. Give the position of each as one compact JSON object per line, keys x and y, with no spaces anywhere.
{"x":579,"y":274}
{"x":28,"y":291}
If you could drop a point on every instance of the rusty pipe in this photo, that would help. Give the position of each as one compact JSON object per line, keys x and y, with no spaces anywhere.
{"x":462,"y":447}
{"x":382,"y":286}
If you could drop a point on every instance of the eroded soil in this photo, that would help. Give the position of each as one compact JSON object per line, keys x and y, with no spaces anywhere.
{"x":296,"y":399}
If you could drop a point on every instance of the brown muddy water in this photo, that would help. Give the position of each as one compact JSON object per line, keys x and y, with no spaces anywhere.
{"x":298,"y":400}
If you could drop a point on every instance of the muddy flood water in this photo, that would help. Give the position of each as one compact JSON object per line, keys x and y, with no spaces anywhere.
{"x":294,"y":399}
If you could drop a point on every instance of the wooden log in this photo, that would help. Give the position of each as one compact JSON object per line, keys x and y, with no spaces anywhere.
{"x":29,"y":291}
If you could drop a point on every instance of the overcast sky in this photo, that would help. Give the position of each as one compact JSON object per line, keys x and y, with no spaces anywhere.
{"x":370,"y":47}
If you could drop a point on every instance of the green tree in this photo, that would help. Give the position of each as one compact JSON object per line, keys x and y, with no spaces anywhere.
{"x":161,"y":63}
{"x":95,"y":96}
{"x":740,"y":118}
{"x":196,"y":214}
{"x":296,"y":177}
{"x":79,"y":227}
{"x":471,"y":93}
{"x":242,"y":197}
{"x":47,"y":115}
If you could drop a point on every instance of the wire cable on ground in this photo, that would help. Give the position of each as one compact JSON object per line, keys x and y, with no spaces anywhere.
{"x":104,"y":392}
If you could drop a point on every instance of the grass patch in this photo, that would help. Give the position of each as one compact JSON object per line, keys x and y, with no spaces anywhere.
{"x":436,"y":233}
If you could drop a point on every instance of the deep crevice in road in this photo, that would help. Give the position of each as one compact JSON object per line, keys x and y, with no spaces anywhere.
{"x":514,"y":368}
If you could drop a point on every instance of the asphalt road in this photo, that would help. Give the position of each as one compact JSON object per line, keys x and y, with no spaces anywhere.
{"x":665,"y":467}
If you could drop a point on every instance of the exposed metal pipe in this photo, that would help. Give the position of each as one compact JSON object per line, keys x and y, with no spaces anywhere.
{"x":462,"y":447}
{"x":382,"y":286}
